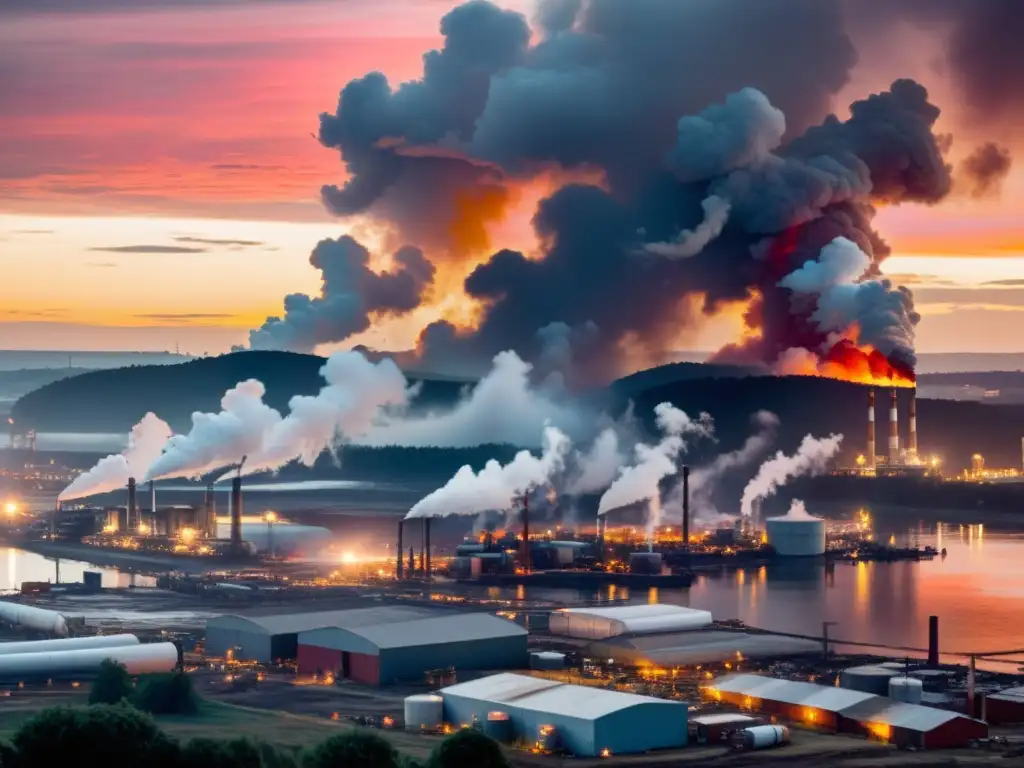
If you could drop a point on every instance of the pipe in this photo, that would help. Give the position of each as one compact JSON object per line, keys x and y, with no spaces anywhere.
{"x":236,"y":512}
{"x":933,"y":641}
{"x":912,"y":434}
{"x":872,"y":456}
{"x":686,"y":506}
{"x":132,"y":505}
{"x":426,"y":549}
{"x":401,"y":551}
{"x":526,"y":533}
{"x":894,"y":430}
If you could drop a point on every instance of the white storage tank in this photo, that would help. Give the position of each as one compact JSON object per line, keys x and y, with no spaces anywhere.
{"x":424,"y":712}
{"x":867,"y":679}
{"x":797,"y":533}
{"x":763,"y":736}
{"x":30,"y":617}
{"x":906,"y":689}
{"x":68,"y":644}
{"x":645,"y":562}
{"x":136,"y":659}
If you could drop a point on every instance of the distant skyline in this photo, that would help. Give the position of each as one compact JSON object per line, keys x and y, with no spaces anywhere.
{"x":159,"y":183}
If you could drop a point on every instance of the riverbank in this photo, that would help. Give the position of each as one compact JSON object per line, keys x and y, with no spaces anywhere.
{"x":128,"y":562}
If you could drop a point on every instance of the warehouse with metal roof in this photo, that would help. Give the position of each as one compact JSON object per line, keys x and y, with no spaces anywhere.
{"x":1006,"y":706}
{"x":386,"y":652}
{"x":582,"y":720}
{"x":846,"y":711}
{"x":266,"y":636}
{"x":601,"y":623}
{"x":677,"y":649}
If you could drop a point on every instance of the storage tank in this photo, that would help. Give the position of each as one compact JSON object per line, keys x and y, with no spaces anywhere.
{"x":797,"y":533}
{"x":867,"y":679}
{"x":424,"y":712}
{"x":906,"y":689}
{"x":547,"y":660}
{"x":136,"y":659}
{"x":499,"y":727}
{"x":68,"y":644}
{"x":547,"y":738}
{"x":763,"y":736}
{"x":645,"y":562}
{"x":30,"y":617}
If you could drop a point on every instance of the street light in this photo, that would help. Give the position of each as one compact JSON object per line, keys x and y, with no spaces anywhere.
{"x":271,"y":518}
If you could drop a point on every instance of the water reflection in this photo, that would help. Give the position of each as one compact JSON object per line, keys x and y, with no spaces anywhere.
{"x":28,"y":566}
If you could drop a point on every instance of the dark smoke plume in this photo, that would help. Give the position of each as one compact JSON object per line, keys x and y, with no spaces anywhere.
{"x":351,"y":294}
{"x":984,"y":170}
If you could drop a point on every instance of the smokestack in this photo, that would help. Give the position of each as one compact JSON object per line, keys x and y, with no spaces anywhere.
{"x":236,"y":512}
{"x":423,"y":546}
{"x":933,"y":640}
{"x":132,"y":505}
{"x":400,"y":550}
{"x":602,"y":525}
{"x":872,"y":450}
{"x":210,"y":512}
{"x":526,"y":533}
{"x":912,"y":435}
{"x":152,"y":506}
{"x":426,"y":549}
{"x":686,"y":506}
{"x":894,"y":430}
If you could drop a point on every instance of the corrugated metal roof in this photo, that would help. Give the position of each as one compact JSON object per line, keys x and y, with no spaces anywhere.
{"x":290,"y":623}
{"x":719,"y":719}
{"x":791,"y":692}
{"x":909,"y":717}
{"x":643,"y":611}
{"x":551,"y":697}
{"x":1009,"y":694}
{"x":703,"y":646}
{"x":436,"y":629}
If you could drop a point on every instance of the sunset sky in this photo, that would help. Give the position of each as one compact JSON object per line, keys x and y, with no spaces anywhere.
{"x":159,"y":177}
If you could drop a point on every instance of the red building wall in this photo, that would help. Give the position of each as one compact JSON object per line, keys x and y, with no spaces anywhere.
{"x":955,"y":733}
{"x":364,"y":668}
{"x":311,"y":658}
{"x":1005,"y":710}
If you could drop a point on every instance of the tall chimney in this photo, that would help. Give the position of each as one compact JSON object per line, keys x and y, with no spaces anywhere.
{"x":933,"y":640}
{"x":894,"y":431}
{"x":236,"y":512}
{"x":912,"y":434}
{"x":423,"y":545}
{"x":526,"y":532}
{"x":210,"y":513}
{"x":426,"y":548}
{"x":602,"y":525}
{"x":132,"y":505}
{"x":399,"y":550}
{"x":872,"y":450}
{"x":686,"y":506}
{"x":152,"y":506}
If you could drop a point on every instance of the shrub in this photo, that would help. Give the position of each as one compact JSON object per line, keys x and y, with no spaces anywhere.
{"x":111,"y":685}
{"x":358,"y":749}
{"x":169,"y":693}
{"x":237,"y":753}
{"x":468,"y":747}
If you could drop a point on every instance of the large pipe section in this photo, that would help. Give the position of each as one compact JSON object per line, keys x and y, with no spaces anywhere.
{"x":30,"y":617}
{"x":686,"y":506}
{"x":894,"y":430}
{"x":133,"y":506}
{"x":86,"y":662}
{"x":400,"y":553}
{"x":872,"y":455}
{"x":912,"y":434}
{"x":236,"y":512}
{"x":68,"y":644}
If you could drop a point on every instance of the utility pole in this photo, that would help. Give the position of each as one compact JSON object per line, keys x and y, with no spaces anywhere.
{"x":824,"y":635}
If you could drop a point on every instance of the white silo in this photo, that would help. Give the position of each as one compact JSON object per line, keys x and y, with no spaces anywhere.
{"x":424,"y":711}
{"x":906,"y":689}
{"x":796,"y":533}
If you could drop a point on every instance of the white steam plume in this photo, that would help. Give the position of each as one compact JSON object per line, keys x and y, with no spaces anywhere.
{"x":811,"y":457}
{"x":596,"y":469}
{"x":704,"y":479}
{"x":496,"y":487}
{"x":219,"y":439}
{"x":690,"y":242}
{"x":356,"y":392}
{"x":654,"y":463}
{"x":502,"y":408}
{"x":145,"y":442}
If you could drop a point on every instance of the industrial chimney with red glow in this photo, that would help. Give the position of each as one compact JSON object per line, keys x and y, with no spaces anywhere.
{"x":872,"y":450}
{"x":894,"y":431}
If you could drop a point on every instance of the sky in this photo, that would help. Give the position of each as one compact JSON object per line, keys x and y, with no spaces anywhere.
{"x":160,"y":177}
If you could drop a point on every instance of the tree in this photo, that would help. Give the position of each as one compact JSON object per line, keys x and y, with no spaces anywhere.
{"x":237,"y":753}
{"x":358,"y":749}
{"x":468,"y":747}
{"x":117,"y":736}
{"x":168,"y":693}
{"x":111,"y":685}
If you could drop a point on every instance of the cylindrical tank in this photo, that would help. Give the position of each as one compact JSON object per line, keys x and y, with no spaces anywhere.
{"x":30,"y":617}
{"x":547,"y":738}
{"x":499,"y":727}
{"x":867,"y":679}
{"x":547,"y":660}
{"x":424,"y":712}
{"x":467,"y":549}
{"x":762,"y":736}
{"x":906,"y":689}
{"x":645,"y":562}
{"x":136,"y":659}
{"x":793,"y":536}
{"x":68,"y":644}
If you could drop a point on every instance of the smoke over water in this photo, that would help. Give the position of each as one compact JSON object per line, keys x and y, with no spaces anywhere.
{"x":145,"y":442}
{"x":721,"y":173}
{"x":811,"y":458}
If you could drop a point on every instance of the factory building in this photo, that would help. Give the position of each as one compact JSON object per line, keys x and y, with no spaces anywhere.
{"x":844,"y":711}
{"x":1006,"y":706}
{"x":584,"y":721}
{"x":386,"y":652}
{"x":266,"y":636}
{"x":602,"y":623}
{"x":680,"y":649}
